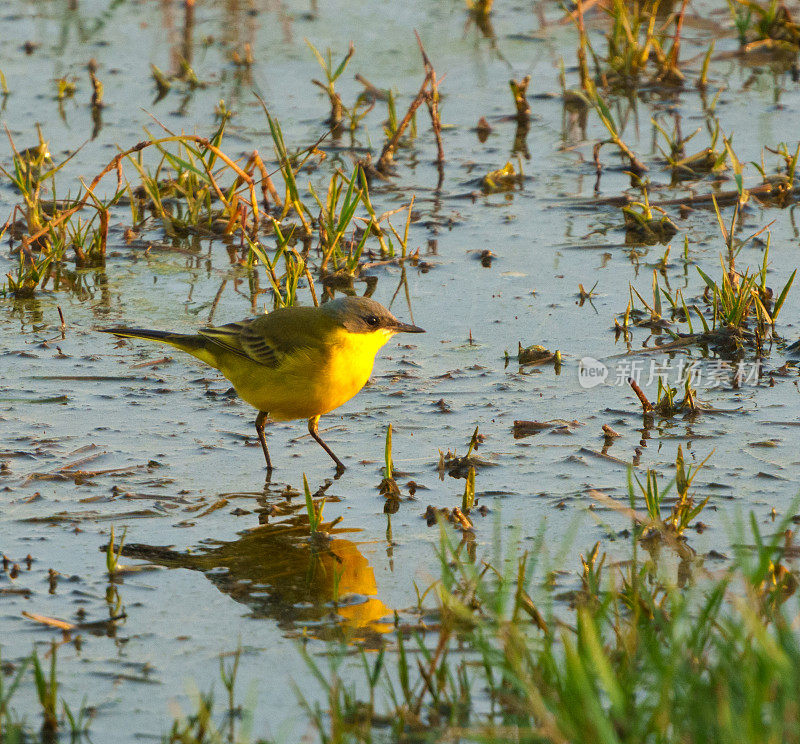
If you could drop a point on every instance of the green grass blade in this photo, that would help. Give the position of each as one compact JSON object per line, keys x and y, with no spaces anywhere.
{"x":782,"y":297}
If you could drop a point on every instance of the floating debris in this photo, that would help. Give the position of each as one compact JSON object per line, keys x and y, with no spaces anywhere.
{"x":505,"y":179}
{"x":523,"y":428}
{"x":536,"y":355}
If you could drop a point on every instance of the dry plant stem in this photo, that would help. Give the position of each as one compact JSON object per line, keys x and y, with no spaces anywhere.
{"x":598,"y":166}
{"x":267,"y":186}
{"x":672,"y":58}
{"x":388,"y":149}
{"x":432,"y":101}
{"x":188,"y":25}
{"x":646,"y":404}
{"x":309,"y":279}
{"x":216,"y":301}
{"x":637,"y":166}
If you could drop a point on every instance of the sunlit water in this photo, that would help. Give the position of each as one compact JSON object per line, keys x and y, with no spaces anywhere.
{"x":174,"y":443}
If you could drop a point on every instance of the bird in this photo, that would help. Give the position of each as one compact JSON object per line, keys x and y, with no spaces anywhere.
{"x":296,"y":362}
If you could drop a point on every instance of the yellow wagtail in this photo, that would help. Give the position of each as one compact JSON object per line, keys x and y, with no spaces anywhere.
{"x":295,"y":362}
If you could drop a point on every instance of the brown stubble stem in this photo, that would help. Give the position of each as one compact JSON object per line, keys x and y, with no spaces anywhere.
{"x":636,"y":165}
{"x":432,"y":101}
{"x":267,"y":186}
{"x":647,"y":406}
{"x":389,"y":148}
{"x":309,"y":279}
{"x":676,"y":44}
{"x":215,"y":303}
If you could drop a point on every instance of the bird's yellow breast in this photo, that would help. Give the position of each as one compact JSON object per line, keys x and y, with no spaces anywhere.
{"x":310,"y":381}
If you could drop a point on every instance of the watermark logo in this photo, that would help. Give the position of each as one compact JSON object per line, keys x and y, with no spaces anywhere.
{"x":706,"y":374}
{"x":591,"y":373}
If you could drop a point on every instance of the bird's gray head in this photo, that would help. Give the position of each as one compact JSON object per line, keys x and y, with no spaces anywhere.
{"x":363,"y":315}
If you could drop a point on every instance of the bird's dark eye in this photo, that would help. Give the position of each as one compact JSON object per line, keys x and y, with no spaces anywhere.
{"x":372,"y":320}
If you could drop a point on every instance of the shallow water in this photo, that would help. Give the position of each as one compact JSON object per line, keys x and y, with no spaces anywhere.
{"x":165,"y":442}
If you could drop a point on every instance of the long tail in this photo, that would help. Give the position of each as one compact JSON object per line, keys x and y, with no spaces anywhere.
{"x":191,"y":343}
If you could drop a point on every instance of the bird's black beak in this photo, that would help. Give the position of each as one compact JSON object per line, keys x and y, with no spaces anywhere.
{"x":399,"y":327}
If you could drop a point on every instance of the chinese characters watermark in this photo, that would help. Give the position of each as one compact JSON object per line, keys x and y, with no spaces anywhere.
{"x":711,"y":373}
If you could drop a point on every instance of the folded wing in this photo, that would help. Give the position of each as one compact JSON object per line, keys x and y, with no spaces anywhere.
{"x":246,"y":339}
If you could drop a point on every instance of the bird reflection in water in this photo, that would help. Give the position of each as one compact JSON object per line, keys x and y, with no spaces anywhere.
{"x":322,"y":585}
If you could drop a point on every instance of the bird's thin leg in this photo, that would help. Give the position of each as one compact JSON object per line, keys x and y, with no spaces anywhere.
{"x":260,"y":421}
{"x":314,"y":432}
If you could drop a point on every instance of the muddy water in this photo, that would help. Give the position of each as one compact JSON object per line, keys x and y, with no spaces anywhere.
{"x":94,"y":434}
